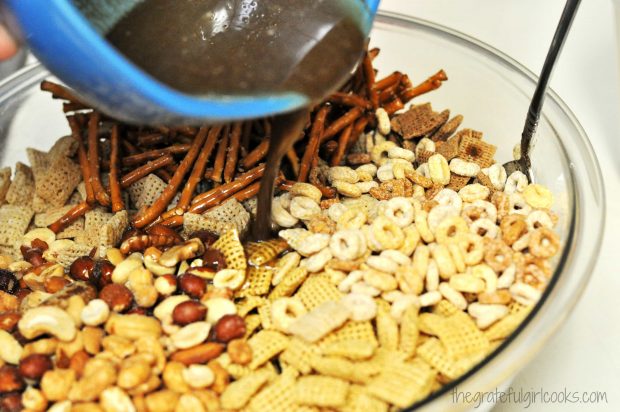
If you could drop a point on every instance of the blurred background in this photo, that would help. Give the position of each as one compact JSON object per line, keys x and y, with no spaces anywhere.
{"x":585,"y":353}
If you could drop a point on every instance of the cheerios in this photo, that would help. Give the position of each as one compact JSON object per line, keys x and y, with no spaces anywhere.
{"x":400,"y":211}
{"x":538,"y":196}
{"x":544,"y":243}
{"x":347,"y":244}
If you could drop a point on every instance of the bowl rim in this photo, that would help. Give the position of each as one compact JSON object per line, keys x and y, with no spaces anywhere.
{"x":405,"y":21}
{"x":13,"y":85}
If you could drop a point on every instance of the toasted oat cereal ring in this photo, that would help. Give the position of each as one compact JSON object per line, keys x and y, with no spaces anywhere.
{"x":521,"y":243}
{"x":444,"y":261}
{"x":473,"y":248}
{"x":364,"y":177}
{"x":507,"y":277}
{"x":439,"y":214}
{"x":538,"y":196}
{"x":449,"y":229}
{"x":382,"y":264}
{"x":419,"y":179}
{"x":518,"y":205}
{"x":473,"y":192}
{"x":432,"y":276}
{"x":386,"y":172}
{"x":420,"y":259}
{"x":396,"y":256}
{"x":439,"y":169}
{"x":343,"y":174}
{"x":516,"y":182}
{"x":409,"y":281}
{"x":280,"y":215}
{"x":502,"y":204}
{"x":380,"y":280}
{"x":386,"y":233}
{"x":352,"y":278}
{"x":229,"y":279}
{"x":488,"y":210}
{"x":353,"y":218}
{"x":307,"y":190}
{"x":284,"y":265}
{"x":317,"y":262}
{"x":346,"y":188}
{"x":348,"y":244}
{"x":464,"y":168}
{"x":425,"y":144}
{"x":512,"y":227}
{"x":488,"y":275}
{"x":365,"y":289}
{"x":485,"y":228}
{"x":467,"y":283}
{"x":497,"y":176}
{"x":421,"y":224}
{"x":285,"y":311}
{"x":457,"y":256}
{"x":336,"y":210}
{"x":412,"y":238}
{"x":424,"y":171}
{"x":400,"y":211}
{"x":448,"y":197}
{"x":379,"y":153}
{"x":369,"y":169}
{"x":538,"y":219}
{"x":544,"y":243}
{"x":304,"y":208}
{"x":453,"y":296}
{"x":327,"y":203}
{"x":399,"y":169}
{"x":497,"y":255}
{"x":400,"y":153}
{"x":362,"y":307}
{"x":398,"y":308}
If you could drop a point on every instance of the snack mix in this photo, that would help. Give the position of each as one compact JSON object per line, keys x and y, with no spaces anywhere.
{"x":405,"y":255}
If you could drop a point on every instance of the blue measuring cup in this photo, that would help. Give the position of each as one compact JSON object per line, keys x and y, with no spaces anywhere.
{"x":67,"y":36}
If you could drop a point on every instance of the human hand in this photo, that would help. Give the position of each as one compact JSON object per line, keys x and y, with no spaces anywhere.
{"x":8,"y":45}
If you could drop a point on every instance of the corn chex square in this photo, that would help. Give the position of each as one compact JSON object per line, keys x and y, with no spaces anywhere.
{"x":237,"y":394}
{"x":320,"y":321}
{"x":232,"y":249}
{"x":277,"y":396}
{"x":360,"y":400}
{"x":403,"y":384}
{"x":460,"y":336}
{"x":434,"y":353}
{"x":265,"y":345}
{"x":317,"y":290}
{"x":321,"y":391}
{"x":263,"y":252}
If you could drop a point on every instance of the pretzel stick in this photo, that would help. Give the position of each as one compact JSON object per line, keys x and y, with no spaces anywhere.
{"x":220,"y":157}
{"x":200,"y":165}
{"x":389,"y":93}
{"x":358,"y":129}
{"x":405,"y":82}
{"x":369,"y":76}
{"x":432,"y":83}
{"x":388,"y":81}
{"x":174,"y":221}
{"x":93,"y":161}
{"x":373,"y":53}
{"x":71,"y":216}
{"x":149,"y":215}
{"x":144,"y":170}
{"x":115,"y":187}
{"x":340,"y":123}
{"x":214,"y":196}
{"x":349,"y":99}
{"x":129,"y":147}
{"x":247,"y":193}
{"x":312,"y":149}
{"x":152,"y":139}
{"x":393,"y":106}
{"x":233,"y":153}
{"x":83,"y":159}
{"x":343,"y":142}
{"x":245,"y":139}
{"x":74,"y":107}
{"x":59,"y":92}
{"x":256,"y":155}
{"x":154,"y":154}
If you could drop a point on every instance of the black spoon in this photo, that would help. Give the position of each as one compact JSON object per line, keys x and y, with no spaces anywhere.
{"x":523,"y":164}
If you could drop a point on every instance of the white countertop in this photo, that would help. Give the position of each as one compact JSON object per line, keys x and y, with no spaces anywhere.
{"x":585,"y":354}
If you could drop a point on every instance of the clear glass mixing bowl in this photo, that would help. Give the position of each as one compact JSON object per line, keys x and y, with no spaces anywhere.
{"x":492,"y":91}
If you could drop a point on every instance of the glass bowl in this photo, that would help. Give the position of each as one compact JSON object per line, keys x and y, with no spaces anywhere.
{"x":492,"y":91}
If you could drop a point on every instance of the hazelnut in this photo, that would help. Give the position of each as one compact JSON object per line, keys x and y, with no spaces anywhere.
{"x":239,"y":351}
{"x":188,"y":312}
{"x":102,"y":273}
{"x":229,"y":327}
{"x":11,"y":402}
{"x":8,"y":321}
{"x":10,"y":380}
{"x":82,"y":268}
{"x":207,"y":237}
{"x":55,"y":284}
{"x":34,"y":256}
{"x":214,"y":259}
{"x":118,"y":297}
{"x":39,"y":244}
{"x":34,"y":366}
{"x":192,"y":285}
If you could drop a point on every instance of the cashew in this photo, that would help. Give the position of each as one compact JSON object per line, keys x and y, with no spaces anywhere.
{"x":133,"y":326}
{"x":95,"y":313}
{"x":152,"y":264}
{"x":122,"y":270}
{"x":10,"y":349}
{"x":218,"y":307}
{"x":47,"y":319}
{"x":114,"y":399}
{"x":198,"y":376}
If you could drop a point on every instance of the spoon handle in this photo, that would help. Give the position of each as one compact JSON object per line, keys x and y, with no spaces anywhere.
{"x":533,"y":114}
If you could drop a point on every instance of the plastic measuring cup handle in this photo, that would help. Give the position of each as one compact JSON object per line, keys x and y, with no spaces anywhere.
{"x":373,"y":5}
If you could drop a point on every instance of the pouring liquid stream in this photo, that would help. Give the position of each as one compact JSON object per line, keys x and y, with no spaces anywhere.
{"x":247,"y":47}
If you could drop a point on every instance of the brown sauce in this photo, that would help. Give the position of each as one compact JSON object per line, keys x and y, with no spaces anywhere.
{"x":240,"y":47}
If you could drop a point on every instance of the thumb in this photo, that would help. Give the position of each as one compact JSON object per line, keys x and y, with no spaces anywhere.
{"x":8,"y":46}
